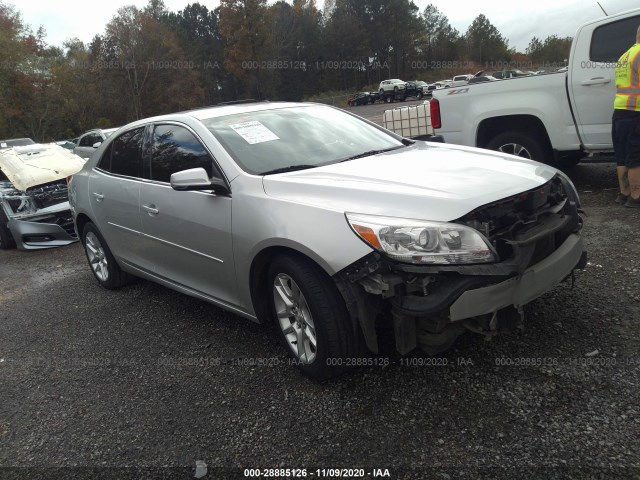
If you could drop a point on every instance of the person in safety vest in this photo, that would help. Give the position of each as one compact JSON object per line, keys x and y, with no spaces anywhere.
{"x":625,"y":127}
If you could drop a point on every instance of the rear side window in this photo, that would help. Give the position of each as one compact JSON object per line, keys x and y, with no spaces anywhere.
{"x":175,"y":149}
{"x":124,"y":154}
{"x":610,"y":41}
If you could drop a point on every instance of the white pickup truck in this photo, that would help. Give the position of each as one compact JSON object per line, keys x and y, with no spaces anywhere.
{"x":555,"y":118}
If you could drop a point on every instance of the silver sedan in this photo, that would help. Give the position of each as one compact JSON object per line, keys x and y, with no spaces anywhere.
{"x":327,"y":225}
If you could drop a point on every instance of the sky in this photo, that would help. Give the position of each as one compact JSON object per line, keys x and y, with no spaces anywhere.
{"x":64,"y":19}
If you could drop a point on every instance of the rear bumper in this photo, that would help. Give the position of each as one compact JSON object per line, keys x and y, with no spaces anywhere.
{"x":45,"y":233}
{"x":520,"y":290}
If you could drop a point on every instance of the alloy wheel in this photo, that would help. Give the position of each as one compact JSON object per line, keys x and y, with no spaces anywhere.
{"x":96,"y":256}
{"x":294,"y":318}
{"x":515,"y":149}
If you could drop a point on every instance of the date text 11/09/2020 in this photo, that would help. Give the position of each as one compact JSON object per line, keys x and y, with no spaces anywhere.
{"x":318,"y":472}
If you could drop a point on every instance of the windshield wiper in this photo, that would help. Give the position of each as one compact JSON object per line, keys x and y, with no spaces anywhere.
{"x":290,"y":168}
{"x":370,"y":153}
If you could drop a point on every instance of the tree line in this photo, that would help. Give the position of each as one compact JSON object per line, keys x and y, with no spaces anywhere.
{"x":151,"y":60}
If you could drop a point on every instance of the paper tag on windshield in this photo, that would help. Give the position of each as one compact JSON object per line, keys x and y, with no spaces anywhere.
{"x":3,"y":145}
{"x":254,"y":132}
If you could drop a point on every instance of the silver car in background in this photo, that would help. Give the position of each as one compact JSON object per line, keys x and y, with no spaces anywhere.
{"x":327,"y":225}
{"x":89,"y":141}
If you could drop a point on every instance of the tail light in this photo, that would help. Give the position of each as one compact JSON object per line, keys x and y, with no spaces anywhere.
{"x":434,"y":111}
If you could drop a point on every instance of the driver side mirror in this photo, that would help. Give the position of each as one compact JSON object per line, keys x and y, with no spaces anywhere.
{"x":198,"y":179}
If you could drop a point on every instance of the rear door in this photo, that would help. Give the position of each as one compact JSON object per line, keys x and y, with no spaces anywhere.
{"x":114,"y":193}
{"x":187,"y":233}
{"x":592,"y":76}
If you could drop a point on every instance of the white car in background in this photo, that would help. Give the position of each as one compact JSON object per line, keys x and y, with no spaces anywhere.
{"x":392,"y":85}
{"x":460,"y":80}
{"x":34,"y":204}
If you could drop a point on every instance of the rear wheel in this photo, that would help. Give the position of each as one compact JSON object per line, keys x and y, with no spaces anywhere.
{"x":101,"y":261}
{"x":311,"y":316}
{"x":6,"y":239}
{"x":521,"y":145}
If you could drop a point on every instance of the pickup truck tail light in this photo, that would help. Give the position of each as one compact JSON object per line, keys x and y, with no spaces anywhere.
{"x":434,"y":111}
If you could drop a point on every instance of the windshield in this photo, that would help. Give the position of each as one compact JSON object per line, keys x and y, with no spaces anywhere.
{"x":305,"y":136}
{"x":16,"y":142}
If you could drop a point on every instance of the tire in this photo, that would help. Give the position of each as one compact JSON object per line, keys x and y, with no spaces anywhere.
{"x":103,"y":265}
{"x":521,"y":145}
{"x":6,"y":239}
{"x":306,"y":305}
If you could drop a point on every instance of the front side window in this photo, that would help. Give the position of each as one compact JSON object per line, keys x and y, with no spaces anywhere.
{"x":175,"y":149}
{"x":124,"y":155}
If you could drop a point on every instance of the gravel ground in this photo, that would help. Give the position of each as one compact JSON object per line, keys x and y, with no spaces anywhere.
{"x":144,"y":382}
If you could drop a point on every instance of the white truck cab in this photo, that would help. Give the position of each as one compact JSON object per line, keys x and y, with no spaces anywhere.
{"x":555,"y":118}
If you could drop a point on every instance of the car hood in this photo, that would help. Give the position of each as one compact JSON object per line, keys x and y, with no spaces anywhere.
{"x":424,"y":181}
{"x":26,"y":167}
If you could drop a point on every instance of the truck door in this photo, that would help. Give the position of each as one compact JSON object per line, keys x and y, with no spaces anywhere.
{"x":595,"y":52}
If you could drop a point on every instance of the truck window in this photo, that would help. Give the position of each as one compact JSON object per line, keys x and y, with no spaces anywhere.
{"x":610,"y":41}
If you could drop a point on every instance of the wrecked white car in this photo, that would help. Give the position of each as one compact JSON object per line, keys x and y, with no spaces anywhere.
{"x":34,"y":204}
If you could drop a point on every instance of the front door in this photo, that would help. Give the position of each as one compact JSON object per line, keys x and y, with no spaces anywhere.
{"x":188,"y":233}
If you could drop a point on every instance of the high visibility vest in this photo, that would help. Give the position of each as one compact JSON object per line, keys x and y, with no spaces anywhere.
{"x":628,"y":80}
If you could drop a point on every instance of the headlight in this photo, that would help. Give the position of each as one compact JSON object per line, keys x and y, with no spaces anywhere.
{"x":422,"y":242}
{"x":570,"y":188}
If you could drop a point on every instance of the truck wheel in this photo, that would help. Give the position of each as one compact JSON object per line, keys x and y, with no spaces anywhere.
{"x":311,"y":316}
{"x":6,"y":239}
{"x":520,"y":145}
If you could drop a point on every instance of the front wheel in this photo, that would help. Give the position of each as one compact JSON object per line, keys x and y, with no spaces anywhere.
{"x":101,"y":260}
{"x":521,"y":145}
{"x":311,"y":316}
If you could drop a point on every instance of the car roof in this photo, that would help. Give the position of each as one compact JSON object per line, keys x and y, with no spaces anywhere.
{"x":107,"y":130}
{"x":224,"y":110}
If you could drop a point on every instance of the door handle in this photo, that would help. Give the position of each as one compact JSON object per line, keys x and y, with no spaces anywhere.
{"x":151,"y":209}
{"x":596,"y":81}
{"x":99,"y":196}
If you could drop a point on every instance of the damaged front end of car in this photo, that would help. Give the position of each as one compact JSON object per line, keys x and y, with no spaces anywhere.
{"x":492,"y":262}
{"x":34,"y":205}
